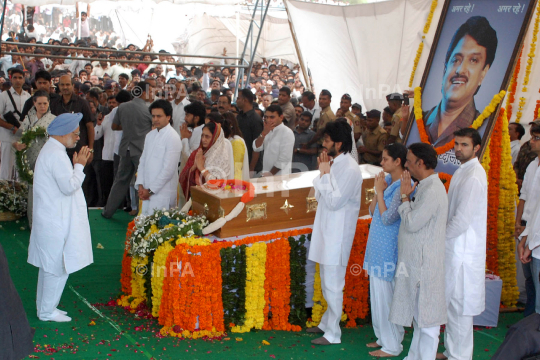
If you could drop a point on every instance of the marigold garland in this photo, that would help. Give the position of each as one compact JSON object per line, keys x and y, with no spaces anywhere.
{"x":506,"y":219}
{"x":532,"y":49}
{"x":492,"y":258}
{"x":277,"y":289}
{"x":445,"y":178}
{"x":138,"y":283}
{"x":255,"y":300}
{"x":488,"y":110}
{"x":159,"y":272}
{"x":513,"y":87}
{"x":421,"y":45}
{"x":356,"y":292}
{"x":319,"y":303}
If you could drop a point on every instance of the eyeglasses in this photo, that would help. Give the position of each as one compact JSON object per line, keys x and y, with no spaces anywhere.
{"x":78,"y":133}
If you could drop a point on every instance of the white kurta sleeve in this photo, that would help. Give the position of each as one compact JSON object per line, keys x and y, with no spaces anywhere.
{"x":286,"y":147}
{"x":336,"y":192}
{"x":170,"y":165}
{"x":532,"y":230}
{"x":142,"y":163}
{"x":467,"y":197}
{"x":67,"y":178}
{"x":258,"y":149}
{"x":415,"y":219}
{"x":525,"y":186}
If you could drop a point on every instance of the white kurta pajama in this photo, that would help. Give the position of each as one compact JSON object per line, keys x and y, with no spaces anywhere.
{"x":338,"y":195}
{"x":158,"y":169}
{"x":60,"y":242}
{"x":465,"y":257}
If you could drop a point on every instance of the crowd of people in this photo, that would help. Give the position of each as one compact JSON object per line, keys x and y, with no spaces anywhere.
{"x":288,"y":141}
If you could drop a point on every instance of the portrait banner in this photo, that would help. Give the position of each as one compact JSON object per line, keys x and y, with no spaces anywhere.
{"x":472,"y":58}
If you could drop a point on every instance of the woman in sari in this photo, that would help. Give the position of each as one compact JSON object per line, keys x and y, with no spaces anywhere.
{"x":38,"y":116}
{"x":210,"y":161}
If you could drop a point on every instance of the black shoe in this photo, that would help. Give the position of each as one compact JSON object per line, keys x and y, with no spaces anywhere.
{"x":106,"y":217}
{"x":127,"y":209}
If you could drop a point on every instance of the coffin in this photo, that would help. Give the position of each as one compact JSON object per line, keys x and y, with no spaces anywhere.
{"x":281,"y":202}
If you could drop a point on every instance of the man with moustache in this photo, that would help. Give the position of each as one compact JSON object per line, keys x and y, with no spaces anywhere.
{"x":465,"y":247}
{"x":224,"y":104}
{"x":337,"y":189}
{"x":69,"y":102}
{"x":468,"y":59}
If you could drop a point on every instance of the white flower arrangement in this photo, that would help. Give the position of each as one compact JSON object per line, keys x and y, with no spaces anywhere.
{"x":170,"y":225}
{"x":13,"y":197}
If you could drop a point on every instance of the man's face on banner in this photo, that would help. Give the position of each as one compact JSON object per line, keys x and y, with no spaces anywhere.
{"x":464,"y":72}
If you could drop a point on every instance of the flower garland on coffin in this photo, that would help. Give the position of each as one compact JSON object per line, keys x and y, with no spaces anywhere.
{"x":272,"y":259}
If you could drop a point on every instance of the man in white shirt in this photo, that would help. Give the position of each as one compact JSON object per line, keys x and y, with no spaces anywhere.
{"x":516,"y":132}
{"x":338,"y":190}
{"x":119,"y":68}
{"x":178,"y":102}
{"x":277,"y":142}
{"x":176,"y":74}
{"x":100,"y":67}
{"x":528,"y":213}
{"x":309,"y":104}
{"x":80,"y":61}
{"x":8,"y":131}
{"x":157,"y":174}
{"x":465,"y":246}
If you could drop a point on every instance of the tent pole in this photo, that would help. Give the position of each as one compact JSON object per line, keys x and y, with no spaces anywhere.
{"x":2,"y":22}
{"x":260,"y":26}
{"x":297,"y":47}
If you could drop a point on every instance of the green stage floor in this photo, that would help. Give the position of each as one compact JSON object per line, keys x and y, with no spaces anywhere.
{"x":98,"y":331}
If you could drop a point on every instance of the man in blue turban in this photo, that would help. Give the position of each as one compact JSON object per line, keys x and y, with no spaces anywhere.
{"x":60,"y":242}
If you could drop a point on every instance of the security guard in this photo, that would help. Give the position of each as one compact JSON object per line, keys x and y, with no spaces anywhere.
{"x":344,"y":111}
{"x":374,"y":139}
{"x":395,"y":102}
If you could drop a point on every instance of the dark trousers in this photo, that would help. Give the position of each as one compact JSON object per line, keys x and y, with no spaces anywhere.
{"x":107,"y":179}
{"x":89,"y":186}
{"x":126,"y":169}
{"x":529,"y":288}
{"x":97,"y":165}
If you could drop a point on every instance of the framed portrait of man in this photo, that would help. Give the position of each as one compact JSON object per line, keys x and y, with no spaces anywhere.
{"x":472,"y":58}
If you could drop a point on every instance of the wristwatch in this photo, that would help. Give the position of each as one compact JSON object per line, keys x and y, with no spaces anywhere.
{"x":150,"y":192}
{"x":404,"y":196}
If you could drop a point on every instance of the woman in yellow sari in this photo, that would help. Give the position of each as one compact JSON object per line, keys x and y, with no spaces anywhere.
{"x":233,"y":133}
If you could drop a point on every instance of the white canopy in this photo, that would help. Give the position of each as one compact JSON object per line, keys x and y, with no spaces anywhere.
{"x":73,"y":2}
